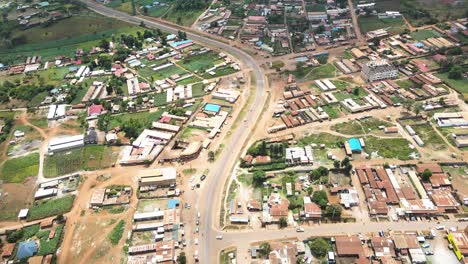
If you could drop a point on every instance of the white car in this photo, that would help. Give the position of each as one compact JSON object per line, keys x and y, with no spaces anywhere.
{"x":440,"y":227}
{"x":300,"y":229}
{"x":196,"y":241}
{"x":219,"y":237}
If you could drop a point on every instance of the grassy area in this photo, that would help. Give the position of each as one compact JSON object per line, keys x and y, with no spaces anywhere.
{"x":395,"y":148}
{"x":424,"y":34}
{"x":355,"y":94}
{"x":143,"y":116}
{"x":46,"y":208}
{"x":182,"y":17}
{"x":16,"y":170}
{"x":321,"y":72}
{"x":64,"y":37}
{"x":199,"y":63}
{"x":360,"y":127}
{"x":331,"y":111}
{"x":329,"y":140}
{"x":395,"y":25}
{"x":88,"y":158}
{"x":460,"y":86}
{"x":429,"y":137}
{"x":116,"y":234}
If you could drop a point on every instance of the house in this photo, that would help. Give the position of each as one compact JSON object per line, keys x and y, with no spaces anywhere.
{"x":349,"y":246}
{"x":311,"y":210}
{"x":90,"y":137}
{"x":7,"y":250}
{"x":26,"y":249}
{"x":95,"y":110}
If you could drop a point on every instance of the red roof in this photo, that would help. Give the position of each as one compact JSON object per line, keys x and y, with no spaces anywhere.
{"x":95,"y":109}
{"x":7,"y":249}
{"x":165,"y":119}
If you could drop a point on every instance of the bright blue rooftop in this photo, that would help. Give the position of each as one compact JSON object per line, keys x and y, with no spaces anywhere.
{"x":354,"y":144}
{"x":212,"y":108}
{"x":26,"y":249}
{"x":173,"y":203}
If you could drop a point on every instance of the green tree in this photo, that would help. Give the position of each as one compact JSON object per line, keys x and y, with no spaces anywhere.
{"x":426,"y":175}
{"x":265,"y":249}
{"x":319,"y":247}
{"x":258,"y":178}
{"x":283,"y":222}
{"x":182,"y":259}
{"x":336,"y":164}
{"x":333,"y":211}
{"x":456,"y":72}
{"x":320,"y":198}
{"x":211,"y":155}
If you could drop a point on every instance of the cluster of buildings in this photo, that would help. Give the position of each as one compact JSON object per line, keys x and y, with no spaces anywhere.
{"x":404,"y":189}
{"x":113,"y":195}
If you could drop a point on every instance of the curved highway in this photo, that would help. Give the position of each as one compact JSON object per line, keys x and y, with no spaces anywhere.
{"x":209,"y":202}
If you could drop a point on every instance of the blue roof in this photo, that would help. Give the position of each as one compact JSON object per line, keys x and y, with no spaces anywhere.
{"x":182,"y":42}
{"x":212,"y":108}
{"x":26,"y":249}
{"x":354,"y":144}
{"x":173,"y":203}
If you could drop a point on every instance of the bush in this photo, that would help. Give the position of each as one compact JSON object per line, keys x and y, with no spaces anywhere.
{"x":51,"y":207}
{"x":116,"y":234}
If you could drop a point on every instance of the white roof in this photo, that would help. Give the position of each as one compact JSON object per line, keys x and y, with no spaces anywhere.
{"x":23,"y":213}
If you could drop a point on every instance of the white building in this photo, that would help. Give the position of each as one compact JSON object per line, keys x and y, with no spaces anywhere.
{"x":379,"y":69}
{"x":66,"y":143}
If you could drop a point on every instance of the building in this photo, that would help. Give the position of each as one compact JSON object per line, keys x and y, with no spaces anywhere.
{"x":311,"y":210}
{"x":65,"y":143}
{"x":161,"y":177}
{"x":378,"y":70}
{"x":451,"y":119}
{"x":26,"y":250}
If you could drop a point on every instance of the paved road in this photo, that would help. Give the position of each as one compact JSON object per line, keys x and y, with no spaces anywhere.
{"x":220,"y":169}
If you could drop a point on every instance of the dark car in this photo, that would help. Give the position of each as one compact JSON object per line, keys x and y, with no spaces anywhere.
{"x":203,"y":177}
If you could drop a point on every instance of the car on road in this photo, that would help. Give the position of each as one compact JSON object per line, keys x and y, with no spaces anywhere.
{"x":429,"y":252}
{"x":198,"y":222}
{"x":187,"y":206}
{"x":299,"y":229}
{"x":196,"y":241}
{"x":197,"y":229}
{"x":440,"y":227}
{"x":219,"y":237}
{"x":453,"y":229}
{"x":426,"y":245}
{"x":203,"y":177}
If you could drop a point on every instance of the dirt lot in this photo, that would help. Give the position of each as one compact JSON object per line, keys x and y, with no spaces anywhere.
{"x":15,"y":197}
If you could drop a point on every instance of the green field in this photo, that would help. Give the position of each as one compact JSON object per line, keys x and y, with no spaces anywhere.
{"x":331,"y":141}
{"x":460,"y":86}
{"x":425,"y":34}
{"x":394,"y":148}
{"x":91,"y":157}
{"x":46,"y":208}
{"x":182,"y":17}
{"x":340,"y":96}
{"x":168,"y":72}
{"x":332,"y":111}
{"x":360,"y":127}
{"x":395,"y":25}
{"x":429,"y":137}
{"x":148,"y":117}
{"x":64,"y":37}
{"x":16,"y":170}
{"x":199,"y":63}
{"x":321,"y":72}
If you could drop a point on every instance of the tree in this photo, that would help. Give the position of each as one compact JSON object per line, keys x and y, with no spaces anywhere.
{"x":211,"y":155}
{"x":456,"y":72}
{"x":104,"y":43}
{"x":265,"y":249}
{"x":320,"y":198}
{"x":333,"y":211}
{"x":319,"y":172}
{"x":319,"y":247}
{"x":182,"y":259}
{"x":258,"y":178}
{"x":336,"y":164}
{"x":283,"y":222}
{"x":426,"y":175}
